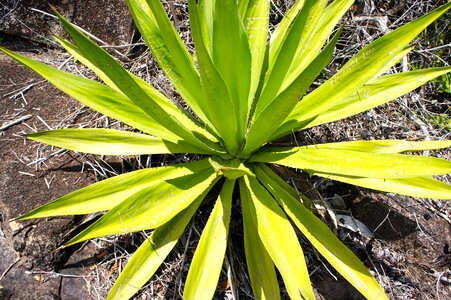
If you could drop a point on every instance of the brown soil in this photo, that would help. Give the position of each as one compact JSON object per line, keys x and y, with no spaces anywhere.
{"x":30,"y":268}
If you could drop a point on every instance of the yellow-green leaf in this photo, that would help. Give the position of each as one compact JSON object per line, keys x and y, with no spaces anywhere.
{"x":232,"y":169}
{"x":151,"y":254}
{"x":108,"y":193}
{"x":354,"y":163}
{"x":169,"y":51}
{"x":97,"y":96}
{"x":360,"y":69}
{"x":150,"y":207}
{"x":386,"y":146}
{"x":323,"y":29}
{"x":127,"y":84}
{"x":421,"y":186}
{"x":282,"y":29}
{"x":259,"y":264}
{"x":279,"y":239}
{"x":110,"y":142}
{"x":268,"y":120}
{"x":218,"y":99}
{"x":232,"y":57}
{"x":256,"y":20}
{"x":323,"y":239}
{"x":172,"y":108}
{"x":207,"y":262}
{"x":298,"y":32}
{"x":375,"y":93}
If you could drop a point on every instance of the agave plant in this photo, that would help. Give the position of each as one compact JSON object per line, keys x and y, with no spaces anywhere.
{"x":245,"y":88}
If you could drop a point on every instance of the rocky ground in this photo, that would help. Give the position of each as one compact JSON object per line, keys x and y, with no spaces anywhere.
{"x":404,"y":241}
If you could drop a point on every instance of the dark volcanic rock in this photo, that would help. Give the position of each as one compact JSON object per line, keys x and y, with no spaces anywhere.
{"x":108,"y":20}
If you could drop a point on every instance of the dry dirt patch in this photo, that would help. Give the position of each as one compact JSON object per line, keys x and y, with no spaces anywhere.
{"x":28,"y":262}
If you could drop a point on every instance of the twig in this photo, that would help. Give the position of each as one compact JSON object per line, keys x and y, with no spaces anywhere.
{"x":20,"y":91}
{"x":437,"y":285}
{"x":433,"y":49}
{"x":17,"y":121}
{"x":25,"y":173}
{"x":231,"y":277}
{"x":47,"y":157}
{"x":124,"y":46}
{"x":49,"y":182}
{"x":44,"y":122}
{"x":65,"y":62}
{"x":421,"y":230}
{"x":53,"y":274}
{"x":44,"y":13}
{"x":9,"y":268}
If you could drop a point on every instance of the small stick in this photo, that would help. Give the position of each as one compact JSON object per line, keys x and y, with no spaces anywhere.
{"x":14,"y":94}
{"x":53,"y":274}
{"x":25,"y":173}
{"x":44,"y":122}
{"x":47,"y":157}
{"x":9,"y":268}
{"x":17,"y":121}
{"x":124,"y":46}
{"x":433,"y":49}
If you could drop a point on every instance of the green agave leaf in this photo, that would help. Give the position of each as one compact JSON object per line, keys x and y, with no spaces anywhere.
{"x":108,"y":193}
{"x":73,"y":50}
{"x":207,"y":262}
{"x":97,"y":96}
{"x":206,"y":11}
{"x":322,"y":238}
{"x":360,"y":69}
{"x":421,"y":186}
{"x":396,"y":59}
{"x":169,"y":106}
{"x":151,"y":254}
{"x":279,"y":239}
{"x":168,"y":49}
{"x":231,"y":56}
{"x":259,"y":264}
{"x":219,"y":107}
{"x":377,"y":92}
{"x":231,"y":169}
{"x":323,"y":29}
{"x":275,"y":113}
{"x":386,"y":146}
{"x":150,"y":207}
{"x":182,"y":61}
{"x":122,"y":79}
{"x":110,"y":142}
{"x":289,"y":188}
{"x":243,"y":6}
{"x":256,"y":21}
{"x":355,"y":163}
{"x":283,"y":29}
{"x":298,"y":33}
